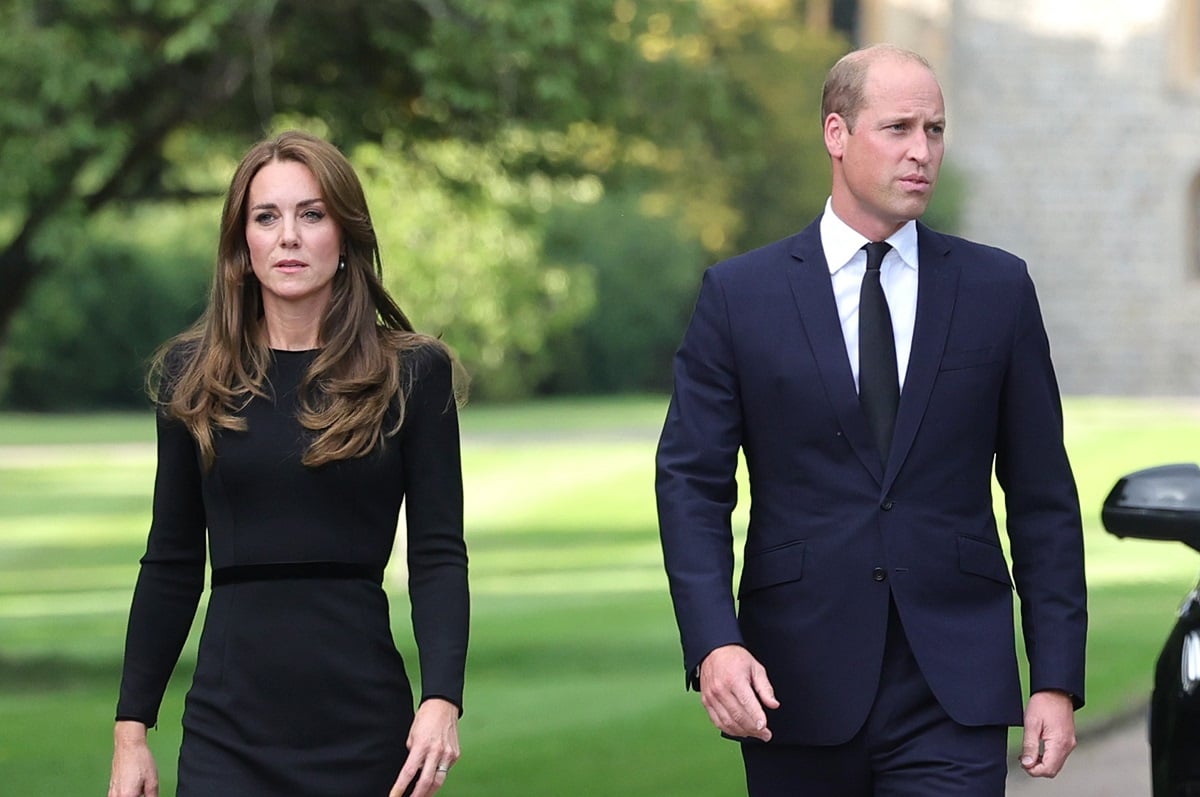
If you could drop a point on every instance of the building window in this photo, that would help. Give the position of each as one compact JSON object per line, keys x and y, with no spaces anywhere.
{"x":839,"y":15}
{"x":845,"y":16}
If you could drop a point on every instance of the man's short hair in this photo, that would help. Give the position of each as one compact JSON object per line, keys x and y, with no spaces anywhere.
{"x":845,"y":86}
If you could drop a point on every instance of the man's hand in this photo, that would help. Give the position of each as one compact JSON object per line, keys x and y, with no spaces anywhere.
{"x":1049,"y":733}
{"x":734,"y":688}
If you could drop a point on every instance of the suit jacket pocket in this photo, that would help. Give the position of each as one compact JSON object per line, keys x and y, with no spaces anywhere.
{"x":780,"y":564}
{"x":968,"y":358}
{"x":983,"y":558}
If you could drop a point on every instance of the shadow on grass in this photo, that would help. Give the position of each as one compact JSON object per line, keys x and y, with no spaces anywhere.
{"x":54,"y":673}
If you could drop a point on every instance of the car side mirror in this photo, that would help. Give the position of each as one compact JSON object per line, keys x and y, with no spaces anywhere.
{"x":1160,"y":503}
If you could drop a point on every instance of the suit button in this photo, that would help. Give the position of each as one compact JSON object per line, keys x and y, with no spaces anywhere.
{"x":886,"y":506}
{"x":879,"y":574}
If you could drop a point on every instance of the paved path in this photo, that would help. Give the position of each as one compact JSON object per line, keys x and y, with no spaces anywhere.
{"x":1112,"y":763}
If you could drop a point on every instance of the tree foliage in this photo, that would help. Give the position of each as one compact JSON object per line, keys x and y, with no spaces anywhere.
{"x":83,"y":337}
{"x":465,"y":265}
{"x":484,"y":131}
{"x":644,"y":280}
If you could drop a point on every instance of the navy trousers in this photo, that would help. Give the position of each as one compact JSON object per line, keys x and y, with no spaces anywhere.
{"x":908,"y":747}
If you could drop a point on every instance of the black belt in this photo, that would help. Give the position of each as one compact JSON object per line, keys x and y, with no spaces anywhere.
{"x":240,"y":574}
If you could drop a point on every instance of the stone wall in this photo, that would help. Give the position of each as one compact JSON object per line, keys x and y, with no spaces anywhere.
{"x":1079,"y":147}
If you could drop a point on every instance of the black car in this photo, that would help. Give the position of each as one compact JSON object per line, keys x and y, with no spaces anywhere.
{"x":1163,"y":503}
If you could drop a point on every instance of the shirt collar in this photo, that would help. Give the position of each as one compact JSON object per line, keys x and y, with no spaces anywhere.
{"x":841,"y":243}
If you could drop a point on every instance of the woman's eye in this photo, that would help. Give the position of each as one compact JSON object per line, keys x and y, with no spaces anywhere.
{"x":264,"y":218}
{"x":313,"y":215}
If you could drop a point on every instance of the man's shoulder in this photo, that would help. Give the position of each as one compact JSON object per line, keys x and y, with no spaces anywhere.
{"x":772,"y":255}
{"x":965,"y":250}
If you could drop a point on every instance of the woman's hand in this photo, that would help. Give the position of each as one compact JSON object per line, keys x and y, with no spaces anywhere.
{"x":432,"y":749}
{"x":134,"y":773}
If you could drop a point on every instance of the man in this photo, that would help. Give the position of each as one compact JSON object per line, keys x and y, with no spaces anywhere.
{"x":873,"y":649}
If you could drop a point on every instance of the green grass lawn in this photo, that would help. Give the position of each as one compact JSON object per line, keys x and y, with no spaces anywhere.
{"x":574,"y":682}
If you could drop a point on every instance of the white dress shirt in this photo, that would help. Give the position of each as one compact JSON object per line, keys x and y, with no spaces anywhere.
{"x":898,"y":275}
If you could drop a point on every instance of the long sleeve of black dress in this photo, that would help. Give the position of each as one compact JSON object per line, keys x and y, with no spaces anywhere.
{"x":171,"y":578}
{"x":437,"y":554}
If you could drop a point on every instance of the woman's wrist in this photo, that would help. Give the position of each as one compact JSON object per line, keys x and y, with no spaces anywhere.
{"x":129,"y":732}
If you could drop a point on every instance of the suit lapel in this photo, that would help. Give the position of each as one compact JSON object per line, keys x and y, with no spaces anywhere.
{"x":936,"y":290}
{"x":812,"y":290}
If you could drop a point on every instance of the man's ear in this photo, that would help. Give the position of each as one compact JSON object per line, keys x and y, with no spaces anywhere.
{"x":836,"y":131}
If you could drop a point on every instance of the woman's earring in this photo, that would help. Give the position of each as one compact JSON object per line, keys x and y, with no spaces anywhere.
{"x":341,"y":263}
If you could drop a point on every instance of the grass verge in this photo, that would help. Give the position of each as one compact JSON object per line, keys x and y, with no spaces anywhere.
{"x":574,"y":679}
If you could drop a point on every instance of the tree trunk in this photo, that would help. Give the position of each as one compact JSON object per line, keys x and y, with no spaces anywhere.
{"x":18,"y":272}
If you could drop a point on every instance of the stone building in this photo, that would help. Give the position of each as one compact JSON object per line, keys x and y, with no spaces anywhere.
{"x":1075,"y":127}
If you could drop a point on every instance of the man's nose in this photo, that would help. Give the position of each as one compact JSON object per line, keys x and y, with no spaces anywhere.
{"x":919,"y":148}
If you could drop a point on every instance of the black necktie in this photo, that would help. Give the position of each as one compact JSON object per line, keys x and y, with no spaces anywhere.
{"x":878,"y":383}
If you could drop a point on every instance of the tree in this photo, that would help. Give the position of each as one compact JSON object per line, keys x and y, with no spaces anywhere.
{"x":112,"y":101}
{"x":93,"y":90}
{"x":510,"y":108}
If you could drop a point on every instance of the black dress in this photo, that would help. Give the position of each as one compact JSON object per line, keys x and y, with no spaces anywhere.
{"x":299,"y":689}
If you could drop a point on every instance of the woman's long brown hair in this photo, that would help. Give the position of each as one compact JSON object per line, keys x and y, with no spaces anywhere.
{"x":206,"y":375}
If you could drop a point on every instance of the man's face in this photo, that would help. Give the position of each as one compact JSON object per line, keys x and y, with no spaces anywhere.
{"x":889,"y":163}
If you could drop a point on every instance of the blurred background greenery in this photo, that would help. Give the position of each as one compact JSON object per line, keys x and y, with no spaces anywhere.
{"x":548,"y":179}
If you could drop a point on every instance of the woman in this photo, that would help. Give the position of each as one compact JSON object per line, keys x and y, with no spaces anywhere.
{"x":294,"y":418}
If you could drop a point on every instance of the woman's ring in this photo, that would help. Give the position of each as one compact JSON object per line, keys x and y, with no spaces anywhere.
{"x":443,"y":767}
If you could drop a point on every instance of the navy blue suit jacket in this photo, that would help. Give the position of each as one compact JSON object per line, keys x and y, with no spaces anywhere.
{"x":763,"y":368}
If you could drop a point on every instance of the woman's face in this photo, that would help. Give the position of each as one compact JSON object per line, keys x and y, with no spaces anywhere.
{"x":294,"y":243}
